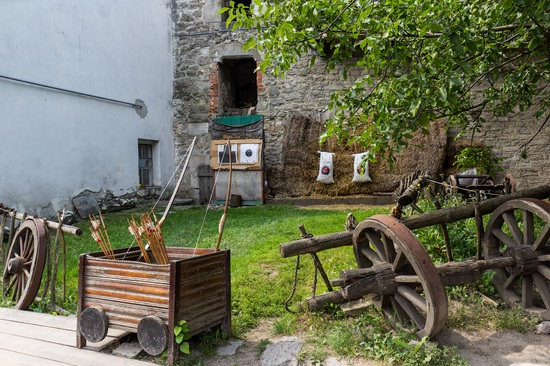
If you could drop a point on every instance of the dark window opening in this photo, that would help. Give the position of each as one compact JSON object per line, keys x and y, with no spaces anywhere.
{"x":145,"y":165}
{"x":238,"y":88}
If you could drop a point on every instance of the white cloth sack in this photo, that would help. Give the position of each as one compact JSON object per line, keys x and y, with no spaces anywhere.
{"x":325,"y":168}
{"x":360,"y":170}
{"x":468,"y":181}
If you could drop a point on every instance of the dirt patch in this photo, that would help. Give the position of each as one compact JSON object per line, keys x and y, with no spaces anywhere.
{"x":498,"y":348}
{"x":480,"y":348}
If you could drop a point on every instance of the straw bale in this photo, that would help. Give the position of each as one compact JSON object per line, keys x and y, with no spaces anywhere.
{"x":296,"y":177}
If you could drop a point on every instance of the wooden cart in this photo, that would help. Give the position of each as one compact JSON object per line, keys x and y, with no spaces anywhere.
{"x":150,"y":299}
{"x":396,"y":273}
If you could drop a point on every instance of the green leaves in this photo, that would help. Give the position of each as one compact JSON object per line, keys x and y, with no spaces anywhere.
{"x":420,"y":60}
{"x":181,"y":332}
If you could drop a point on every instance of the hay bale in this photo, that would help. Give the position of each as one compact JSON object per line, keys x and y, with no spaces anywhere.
{"x":297,"y":174}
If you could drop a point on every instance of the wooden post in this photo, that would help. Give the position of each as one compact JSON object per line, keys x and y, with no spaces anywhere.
{"x":321,"y":270}
{"x":48,"y":268}
{"x":444,"y":229}
{"x":2,"y":229}
{"x":226,"y":325}
{"x":55,"y":262}
{"x":480,"y":232}
{"x":80,"y":340}
{"x":174,"y":302}
{"x":12,"y":228}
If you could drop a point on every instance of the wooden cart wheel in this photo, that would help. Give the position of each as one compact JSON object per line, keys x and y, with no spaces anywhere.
{"x":93,"y":324}
{"x":152,"y":335}
{"x":521,"y":229}
{"x":25,"y":263}
{"x":419,"y":302}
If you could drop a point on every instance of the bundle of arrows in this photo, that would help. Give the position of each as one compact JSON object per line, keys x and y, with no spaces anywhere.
{"x":101,"y":236}
{"x":148,"y":232}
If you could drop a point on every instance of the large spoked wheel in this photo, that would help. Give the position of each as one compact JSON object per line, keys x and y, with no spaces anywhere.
{"x":25,"y":263}
{"x":521,"y":229}
{"x":419,"y":302}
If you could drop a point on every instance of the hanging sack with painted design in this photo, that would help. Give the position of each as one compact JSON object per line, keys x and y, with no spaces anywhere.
{"x":361,"y":168}
{"x":325,"y":168}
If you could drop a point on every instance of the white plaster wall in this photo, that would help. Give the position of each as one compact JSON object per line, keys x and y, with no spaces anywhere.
{"x":55,"y":145}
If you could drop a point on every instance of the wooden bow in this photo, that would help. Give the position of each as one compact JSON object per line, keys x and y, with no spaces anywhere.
{"x":222,"y":220}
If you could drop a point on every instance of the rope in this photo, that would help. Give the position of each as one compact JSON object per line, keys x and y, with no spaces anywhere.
{"x":293,"y":287}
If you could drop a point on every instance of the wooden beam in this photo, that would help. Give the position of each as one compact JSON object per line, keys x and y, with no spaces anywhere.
{"x":443,"y":216}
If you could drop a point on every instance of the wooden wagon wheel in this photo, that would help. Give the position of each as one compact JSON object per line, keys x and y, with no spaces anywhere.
{"x":521,"y":229}
{"x":451,"y":185}
{"x":25,"y":263}
{"x":419,"y":300}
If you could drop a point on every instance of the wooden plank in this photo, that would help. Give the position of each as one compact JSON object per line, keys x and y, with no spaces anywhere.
{"x":30,"y":317}
{"x":52,"y":335}
{"x":126,"y":296}
{"x":15,"y":358}
{"x":132,"y":309}
{"x":127,"y":276}
{"x":64,"y":354}
{"x":130,"y":286}
{"x":33,"y":331}
{"x":22,"y":319}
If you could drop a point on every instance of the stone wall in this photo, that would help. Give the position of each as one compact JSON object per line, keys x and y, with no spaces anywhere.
{"x":507,"y":136}
{"x":200,"y":43}
{"x":293,"y":107}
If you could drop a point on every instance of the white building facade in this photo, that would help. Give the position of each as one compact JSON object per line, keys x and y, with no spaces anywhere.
{"x":117,"y":137}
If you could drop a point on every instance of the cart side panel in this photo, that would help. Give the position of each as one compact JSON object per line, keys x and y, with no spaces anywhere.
{"x":203,"y":292}
{"x":126,"y":291}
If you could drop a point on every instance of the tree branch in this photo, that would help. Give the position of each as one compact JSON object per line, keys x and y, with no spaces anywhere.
{"x":522,"y":147}
{"x":478,"y":79}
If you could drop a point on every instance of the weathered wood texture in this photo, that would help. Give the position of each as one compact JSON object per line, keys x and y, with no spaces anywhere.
{"x":30,"y":338}
{"x":195,"y":287}
{"x":453,"y":214}
{"x":51,"y":224}
{"x":379,"y":280}
{"x":443,"y":216}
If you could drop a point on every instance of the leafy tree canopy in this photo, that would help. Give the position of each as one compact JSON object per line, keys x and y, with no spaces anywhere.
{"x":423,"y":60}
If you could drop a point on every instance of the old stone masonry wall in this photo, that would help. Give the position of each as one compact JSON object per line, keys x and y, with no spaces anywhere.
{"x":210,"y":65}
{"x":201,"y":44}
{"x":510,"y":136}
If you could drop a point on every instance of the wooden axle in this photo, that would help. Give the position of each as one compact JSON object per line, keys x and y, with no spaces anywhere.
{"x":443,"y":216}
{"x":51,"y":224}
{"x":380,"y":280}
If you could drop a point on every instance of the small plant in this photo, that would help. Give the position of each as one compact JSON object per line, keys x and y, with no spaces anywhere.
{"x":516,"y":318}
{"x":285,"y":324}
{"x":260,"y":347}
{"x":210,"y":340}
{"x":479,"y":157}
{"x":181,"y":331}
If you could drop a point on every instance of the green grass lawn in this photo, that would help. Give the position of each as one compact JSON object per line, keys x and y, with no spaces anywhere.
{"x":261,"y":279}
